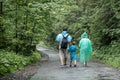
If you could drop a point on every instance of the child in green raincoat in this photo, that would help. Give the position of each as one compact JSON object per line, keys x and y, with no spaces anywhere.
{"x":85,"y":48}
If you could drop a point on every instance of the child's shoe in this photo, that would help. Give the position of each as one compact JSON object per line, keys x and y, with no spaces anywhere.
{"x":75,"y":65}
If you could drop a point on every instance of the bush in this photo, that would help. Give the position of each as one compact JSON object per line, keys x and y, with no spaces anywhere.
{"x":109,"y":59}
{"x":11,"y":62}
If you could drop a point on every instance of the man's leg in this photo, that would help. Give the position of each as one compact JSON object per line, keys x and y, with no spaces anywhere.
{"x":61,"y":57}
{"x":65,"y":61}
{"x":65,"y":56}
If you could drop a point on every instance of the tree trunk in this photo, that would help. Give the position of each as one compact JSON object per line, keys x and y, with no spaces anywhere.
{"x":1,"y":8}
{"x":16,"y":21}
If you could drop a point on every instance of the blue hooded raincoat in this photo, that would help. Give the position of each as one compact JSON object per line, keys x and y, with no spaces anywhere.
{"x":60,"y":37}
{"x":73,"y":55}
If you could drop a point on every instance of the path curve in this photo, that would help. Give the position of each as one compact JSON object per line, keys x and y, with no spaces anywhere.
{"x":50,"y":70}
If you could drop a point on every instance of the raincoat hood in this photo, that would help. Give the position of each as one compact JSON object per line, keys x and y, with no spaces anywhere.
{"x":84,"y":35}
{"x":64,"y":32}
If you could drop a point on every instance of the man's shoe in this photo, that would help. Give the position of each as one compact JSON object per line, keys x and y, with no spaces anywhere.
{"x":62,"y":66}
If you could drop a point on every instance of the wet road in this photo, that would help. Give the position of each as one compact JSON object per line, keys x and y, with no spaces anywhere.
{"x":50,"y":70}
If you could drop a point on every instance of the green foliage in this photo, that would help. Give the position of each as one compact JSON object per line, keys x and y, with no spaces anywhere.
{"x":113,"y":60}
{"x":105,"y":24}
{"x":35,"y":57}
{"x":11,"y":62}
{"x":109,"y":54}
{"x":24,"y":23}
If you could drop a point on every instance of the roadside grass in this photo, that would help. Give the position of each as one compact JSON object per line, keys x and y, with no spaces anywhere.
{"x":112,"y":60}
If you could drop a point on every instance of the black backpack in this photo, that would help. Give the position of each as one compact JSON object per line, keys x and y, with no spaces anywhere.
{"x":64,"y":42}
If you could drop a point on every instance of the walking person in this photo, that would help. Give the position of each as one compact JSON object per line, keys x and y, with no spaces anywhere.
{"x":64,"y":38}
{"x":85,"y":49}
{"x":73,"y":54}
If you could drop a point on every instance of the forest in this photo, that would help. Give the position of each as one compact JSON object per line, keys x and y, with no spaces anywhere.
{"x":26,"y":23}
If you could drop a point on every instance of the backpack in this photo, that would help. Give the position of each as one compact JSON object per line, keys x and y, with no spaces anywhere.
{"x":64,"y":42}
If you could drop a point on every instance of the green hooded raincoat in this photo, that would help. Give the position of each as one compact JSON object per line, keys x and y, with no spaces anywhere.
{"x":85,"y":48}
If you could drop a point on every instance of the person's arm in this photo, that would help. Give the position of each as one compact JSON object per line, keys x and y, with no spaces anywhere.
{"x":69,"y":38}
{"x":69,"y":49}
{"x":79,"y":44}
{"x":58,"y":40}
{"x":90,"y":46}
{"x":76,"y":48}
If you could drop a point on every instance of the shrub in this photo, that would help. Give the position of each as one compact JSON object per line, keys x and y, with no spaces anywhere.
{"x":11,"y":62}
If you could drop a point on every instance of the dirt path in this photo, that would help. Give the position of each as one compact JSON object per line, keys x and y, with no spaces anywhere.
{"x":50,"y":70}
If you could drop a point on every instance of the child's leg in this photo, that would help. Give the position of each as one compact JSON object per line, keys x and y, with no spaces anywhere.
{"x":75,"y":63}
{"x":70,"y":63}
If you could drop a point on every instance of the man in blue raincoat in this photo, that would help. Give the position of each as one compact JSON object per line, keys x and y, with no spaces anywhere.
{"x":85,"y":48}
{"x":63,"y":50}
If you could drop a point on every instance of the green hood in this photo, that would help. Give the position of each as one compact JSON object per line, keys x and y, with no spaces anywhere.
{"x":84,"y":35}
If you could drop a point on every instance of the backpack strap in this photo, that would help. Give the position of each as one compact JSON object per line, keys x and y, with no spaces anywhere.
{"x":64,"y":36}
{"x":67,"y":35}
